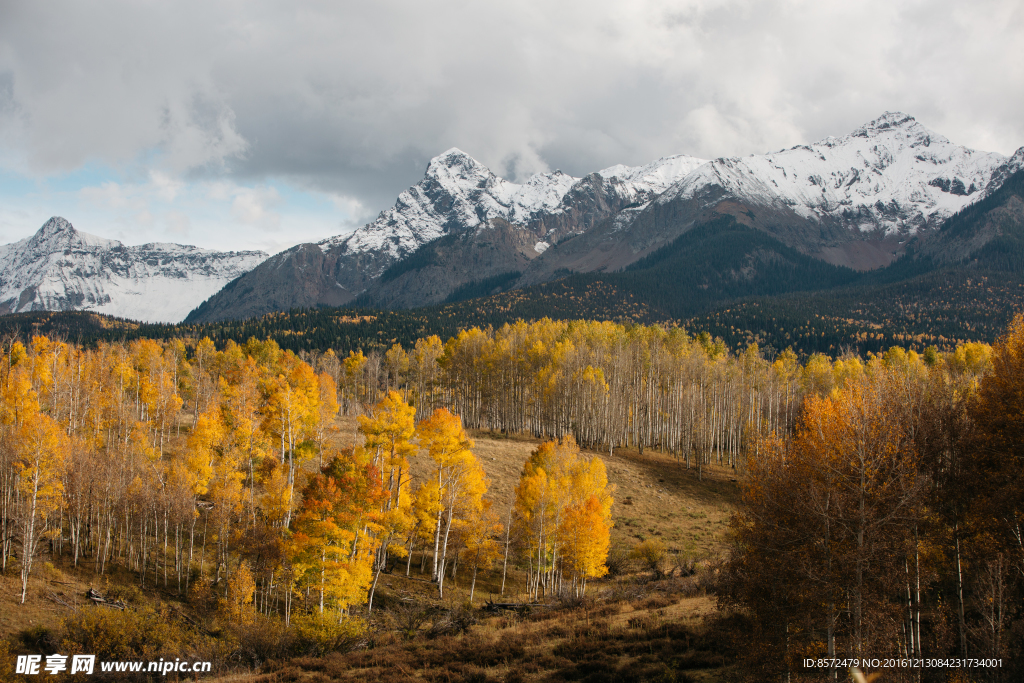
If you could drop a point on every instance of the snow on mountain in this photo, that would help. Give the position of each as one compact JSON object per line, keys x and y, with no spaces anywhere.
{"x":850,"y":201}
{"x":458,"y":191}
{"x":655,"y":177}
{"x":892,"y":175}
{"x":60,"y":268}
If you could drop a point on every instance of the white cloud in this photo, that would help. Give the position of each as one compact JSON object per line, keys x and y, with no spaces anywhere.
{"x":352,"y":99}
{"x":220,"y":214}
{"x":252,"y":207}
{"x":167,"y":187}
{"x":179,"y":223}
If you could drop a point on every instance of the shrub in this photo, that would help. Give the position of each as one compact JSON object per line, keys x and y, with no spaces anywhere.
{"x":260,"y":638}
{"x":126,"y":593}
{"x":40,"y":639}
{"x":202,"y":597}
{"x":142,"y":634}
{"x":451,"y":622}
{"x":619,"y":561}
{"x":650,"y":554}
{"x":6,"y":662}
{"x":123,"y":634}
{"x":409,"y":617}
{"x":658,"y":601}
{"x":318,"y":634}
{"x":50,"y":573}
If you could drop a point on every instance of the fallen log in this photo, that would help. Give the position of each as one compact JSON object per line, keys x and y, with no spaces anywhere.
{"x":98,"y":599}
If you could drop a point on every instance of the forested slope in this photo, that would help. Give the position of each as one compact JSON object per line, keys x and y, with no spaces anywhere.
{"x":214,"y":480}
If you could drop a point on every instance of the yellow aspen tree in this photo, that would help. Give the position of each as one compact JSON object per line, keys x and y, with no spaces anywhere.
{"x":227,"y":493}
{"x":426,"y":507}
{"x":240,"y":593}
{"x":585,"y":526}
{"x":352,"y":389}
{"x":396,"y":365}
{"x":585,"y":538}
{"x":274,"y":501}
{"x":167,"y":402}
{"x":328,"y":549}
{"x":388,"y":432}
{"x":196,"y":472}
{"x":541,"y":496}
{"x":46,"y":358}
{"x":242,"y":409}
{"x":331,"y":364}
{"x":532,"y":519}
{"x":425,"y":372}
{"x":292,"y":406}
{"x":19,"y":397}
{"x":828,"y":520}
{"x":480,"y":530}
{"x":327,"y":411}
{"x":40,"y":450}
{"x":459,"y":477}
{"x":200,"y":384}
{"x":554,"y":479}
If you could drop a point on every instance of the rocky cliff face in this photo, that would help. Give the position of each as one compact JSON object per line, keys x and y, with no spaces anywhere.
{"x":62,"y":269}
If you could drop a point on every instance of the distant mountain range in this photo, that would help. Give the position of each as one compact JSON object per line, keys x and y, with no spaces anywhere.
{"x":62,"y":269}
{"x":721,"y":277}
{"x":460,"y":224}
{"x":807,"y":218}
{"x":857,"y":201}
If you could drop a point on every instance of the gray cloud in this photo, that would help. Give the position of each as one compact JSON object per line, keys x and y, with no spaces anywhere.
{"x":354,"y":98}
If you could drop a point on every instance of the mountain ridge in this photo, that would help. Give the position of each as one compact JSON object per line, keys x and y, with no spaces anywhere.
{"x":61,"y":268}
{"x":854,"y":201}
{"x":858,"y":201}
{"x":497,"y":226}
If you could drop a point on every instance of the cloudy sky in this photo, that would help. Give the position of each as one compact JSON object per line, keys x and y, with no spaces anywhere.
{"x":251,"y":124}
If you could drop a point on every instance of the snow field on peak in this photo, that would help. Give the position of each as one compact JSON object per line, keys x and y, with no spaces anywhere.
{"x":894,"y":173}
{"x":658,"y":175}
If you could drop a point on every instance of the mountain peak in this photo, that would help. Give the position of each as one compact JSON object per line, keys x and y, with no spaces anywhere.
{"x":454,"y":158}
{"x":58,"y":234}
{"x":899,"y":123}
{"x":62,"y":269}
{"x":891,"y":119}
{"x":55,"y":227}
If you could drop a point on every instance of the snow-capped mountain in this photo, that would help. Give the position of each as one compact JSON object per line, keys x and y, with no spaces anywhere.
{"x":892,"y":175}
{"x":489,"y":226}
{"x":456,"y":190}
{"x":61,"y":269}
{"x":459,"y":193}
{"x":856,"y":200}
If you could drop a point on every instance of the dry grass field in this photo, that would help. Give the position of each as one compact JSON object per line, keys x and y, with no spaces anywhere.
{"x":654,"y":637}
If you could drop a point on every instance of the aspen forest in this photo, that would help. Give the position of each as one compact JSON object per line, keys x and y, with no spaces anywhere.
{"x":878,"y":509}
